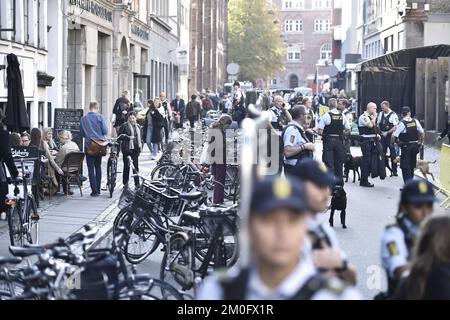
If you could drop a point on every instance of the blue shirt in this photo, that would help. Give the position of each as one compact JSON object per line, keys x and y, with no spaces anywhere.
{"x":95,"y":128}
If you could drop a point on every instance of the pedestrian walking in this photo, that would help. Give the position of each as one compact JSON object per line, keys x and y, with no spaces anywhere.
{"x":193,"y":110}
{"x":131,"y":147}
{"x":387,"y":122}
{"x":178,"y":111}
{"x":416,"y":204}
{"x":332,"y":126}
{"x":326,"y":252}
{"x":219,"y":166}
{"x":121,"y":109}
{"x":429,"y":278}
{"x":280,"y":267}
{"x":166,"y":111}
{"x":297,"y":146}
{"x":367,"y":126}
{"x":94,"y":130}
{"x":411,"y":136}
{"x":153,"y":126}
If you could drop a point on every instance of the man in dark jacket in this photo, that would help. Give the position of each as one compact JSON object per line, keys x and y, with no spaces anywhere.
{"x":5,"y":159}
{"x":131,"y":147}
{"x":193,"y":110}
{"x":121,"y":109}
{"x":178,"y":110}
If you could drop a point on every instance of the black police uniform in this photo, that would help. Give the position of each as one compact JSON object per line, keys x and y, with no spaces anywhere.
{"x":333,"y":145}
{"x":367,"y":138}
{"x":385,"y":125}
{"x":409,"y":144}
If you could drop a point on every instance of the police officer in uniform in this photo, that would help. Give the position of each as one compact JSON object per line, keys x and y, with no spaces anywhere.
{"x":343,"y":107}
{"x":280,"y":117}
{"x":387,"y":122}
{"x":332,"y":127}
{"x":297,"y":146}
{"x":280,"y":267}
{"x":326,"y":252}
{"x":367,"y":127}
{"x":411,"y":135}
{"x":416,"y":204}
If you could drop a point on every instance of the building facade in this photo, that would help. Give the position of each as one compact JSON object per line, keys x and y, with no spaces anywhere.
{"x":27,"y":38}
{"x":307,"y":38}
{"x":208,"y":45}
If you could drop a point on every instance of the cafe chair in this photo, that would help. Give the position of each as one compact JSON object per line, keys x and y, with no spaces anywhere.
{"x":72,"y":167}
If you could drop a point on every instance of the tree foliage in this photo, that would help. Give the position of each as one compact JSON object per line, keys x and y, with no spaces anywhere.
{"x":255,"y":39}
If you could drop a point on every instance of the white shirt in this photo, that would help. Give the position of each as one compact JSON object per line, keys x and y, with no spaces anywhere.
{"x":402,"y":129}
{"x":394,"y":251}
{"x":364,"y":121}
{"x":349,"y":116}
{"x":228,"y":104}
{"x":293,"y":138}
{"x":392,"y":119}
{"x":257,"y":290}
{"x":325,"y":120}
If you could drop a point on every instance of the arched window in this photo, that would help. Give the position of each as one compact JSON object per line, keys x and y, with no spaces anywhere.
{"x":293,"y":81}
{"x":325,"y":51}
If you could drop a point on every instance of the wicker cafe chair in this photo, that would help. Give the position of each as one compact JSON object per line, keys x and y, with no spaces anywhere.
{"x":72,"y":166}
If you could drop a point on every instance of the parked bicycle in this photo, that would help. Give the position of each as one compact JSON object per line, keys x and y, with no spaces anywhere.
{"x":111,"y":167}
{"x":62,"y":274}
{"x":23,"y":217}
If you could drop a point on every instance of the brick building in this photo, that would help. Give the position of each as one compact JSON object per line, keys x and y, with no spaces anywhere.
{"x":208,"y":45}
{"x":306,"y":33}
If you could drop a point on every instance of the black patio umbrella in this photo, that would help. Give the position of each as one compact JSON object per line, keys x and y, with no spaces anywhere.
{"x":16,"y":111}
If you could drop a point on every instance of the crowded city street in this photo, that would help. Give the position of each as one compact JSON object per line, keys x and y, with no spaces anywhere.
{"x":224,"y":150}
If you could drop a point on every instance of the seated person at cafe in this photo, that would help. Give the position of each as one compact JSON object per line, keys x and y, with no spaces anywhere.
{"x":67,"y":146}
{"x":25,"y":139}
{"x":49,"y":153}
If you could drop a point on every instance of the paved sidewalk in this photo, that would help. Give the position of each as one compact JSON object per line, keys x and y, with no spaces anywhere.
{"x":63,"y":215}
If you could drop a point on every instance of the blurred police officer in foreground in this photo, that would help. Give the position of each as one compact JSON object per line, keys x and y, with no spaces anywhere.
{"x":411,"y":136}
{"x":297,"y":146}
{"x":387,"y":122}
{"x":367,"y":126}
{"x":416,"y":204}
{"x":280,"y":268}
{"x":332,"y":126}
{"x":327,"y":255}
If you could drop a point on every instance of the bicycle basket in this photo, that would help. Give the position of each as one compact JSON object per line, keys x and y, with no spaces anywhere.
{"x":126,"y":198}
{"x":165,"y":201}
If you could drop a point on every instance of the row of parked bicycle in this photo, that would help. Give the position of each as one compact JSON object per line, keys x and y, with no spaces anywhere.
{"x":170,"y":210}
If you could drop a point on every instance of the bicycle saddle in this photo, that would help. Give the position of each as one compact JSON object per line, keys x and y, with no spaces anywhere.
{"x":10,"y":260}
{"x":25,"y":252}
{"x":192,"y":196}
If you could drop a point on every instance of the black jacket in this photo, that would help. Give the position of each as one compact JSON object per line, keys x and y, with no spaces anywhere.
{"x":121,"y":105}
{"x":125,"y":129}
{"x":5,"y":159}
{"x":157,"y":125}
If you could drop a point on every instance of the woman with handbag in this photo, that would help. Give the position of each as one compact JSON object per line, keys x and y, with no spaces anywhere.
{"x":94,"y":130}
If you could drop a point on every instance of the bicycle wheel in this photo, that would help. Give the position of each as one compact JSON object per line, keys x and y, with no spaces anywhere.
{"x":32,"y":225}
{"x":10,"y":289}
{"x":163,"y":171}
{"x":147,"y":288}
{"x":15,"y":225}
{"x":142,"y":241}
{"x":111,"y":176}
{"x":177,"y":264}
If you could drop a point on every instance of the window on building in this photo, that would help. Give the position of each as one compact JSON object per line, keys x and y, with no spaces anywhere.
{"x":321,"y":4}
{"x":288,"y":26}
{"x":298,"y":26}
{"x":293,"y":4}
{"x":295,"y":52}
{"x":325,"y":52}
{"x":322,"y":25}
{"x":26,"y":21}
{"x":287,"y":4}
{"x":273,"y":82}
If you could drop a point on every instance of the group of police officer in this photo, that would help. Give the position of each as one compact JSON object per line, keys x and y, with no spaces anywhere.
{"x":295,"y":255}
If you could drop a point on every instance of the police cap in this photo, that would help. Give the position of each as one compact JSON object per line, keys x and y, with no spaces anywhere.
{"x":273,"y":192}
{"x":417,"y":191}
{"x":315,"y":172}
{"x":406,"y":110}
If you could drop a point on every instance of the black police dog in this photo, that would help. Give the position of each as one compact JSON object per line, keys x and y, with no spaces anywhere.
{"x":352,"y":164}
{"x":338,"y":202}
